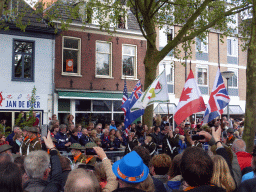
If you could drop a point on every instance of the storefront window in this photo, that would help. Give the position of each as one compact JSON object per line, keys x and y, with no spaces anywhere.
{"x":117,"y":105}
{"x":64,"y":105}
{"x":102,"y":105}
{"x":83,"y":105}
{"x":85,"y":118}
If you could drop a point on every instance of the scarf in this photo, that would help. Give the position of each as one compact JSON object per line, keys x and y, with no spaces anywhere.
{"x":76,"y":157}
{"x":18,"y":142}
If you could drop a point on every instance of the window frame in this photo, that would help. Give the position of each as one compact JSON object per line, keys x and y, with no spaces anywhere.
{"x":203,"y":67}
{"x":135,"y":63}
{"x":32,"y":64}
{"x":202,"y":44}
{"x":111,"y":60}
{"x":233,"y":47}
{"x":168,"y":65}
{"x":237,"y":73}
{"x":78,"y":59}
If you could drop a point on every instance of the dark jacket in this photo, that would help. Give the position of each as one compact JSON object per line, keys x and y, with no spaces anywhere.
{"x":62,"y":139}
{"x":159,"y":186}
{"x":10,"y":138}
{"x":104,"y":141}
{"x":157,"y":138}
{"x":73,"y":139}
{"x":64,"y":178}
{"x":247,"y":186}
{"x":207,"y":188}
{"x":84,"y":139}
{"x":117,"y":143}
{"x":131,"y":145}
{"x":151,"y":147}
{"x":128,"y":189}
{"x":54,"y":184}
{"x":15,"y":148}
{"x":171,"y":145}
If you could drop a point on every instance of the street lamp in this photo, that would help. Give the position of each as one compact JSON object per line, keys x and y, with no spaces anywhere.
{"x":227,"y":75}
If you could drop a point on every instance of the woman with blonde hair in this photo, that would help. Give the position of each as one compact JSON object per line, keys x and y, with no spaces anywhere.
{"x":93,"y":135}
{"x":221,"y":174}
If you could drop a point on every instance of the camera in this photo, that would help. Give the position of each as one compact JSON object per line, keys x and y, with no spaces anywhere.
{"x":90,"y":151}
{"x":197,"y":137}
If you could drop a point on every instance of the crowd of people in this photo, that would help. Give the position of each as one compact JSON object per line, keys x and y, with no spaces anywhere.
{"x":192,"y":157}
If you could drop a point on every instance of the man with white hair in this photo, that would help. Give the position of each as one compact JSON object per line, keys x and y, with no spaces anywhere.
{"x":244,"y":158}
{"x":36,"y":165}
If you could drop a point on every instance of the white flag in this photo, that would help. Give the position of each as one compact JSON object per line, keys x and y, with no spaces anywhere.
{"x":157,"y":92}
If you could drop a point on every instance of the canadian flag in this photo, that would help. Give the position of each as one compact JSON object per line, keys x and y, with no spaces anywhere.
{"x":191,"y":100}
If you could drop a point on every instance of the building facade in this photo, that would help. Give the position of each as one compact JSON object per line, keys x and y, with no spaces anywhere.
{"x":90,"y":69}
{"x":204,"y":63}
{"x":27,"y":61}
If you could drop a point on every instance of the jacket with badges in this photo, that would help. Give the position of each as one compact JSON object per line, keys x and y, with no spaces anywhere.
{"x":30,"y":144}
{"x":131,"y":145}
{"x":151,"y":147}
{"x":170,"y":145}
{"x":62,"y":139}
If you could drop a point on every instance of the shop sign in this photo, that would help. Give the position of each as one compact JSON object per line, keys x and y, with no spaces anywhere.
{"x":21,"y":101}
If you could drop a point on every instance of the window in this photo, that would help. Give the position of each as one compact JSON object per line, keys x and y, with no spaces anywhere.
{"x":71,"y":56}
{"x":202,"y":45}
{"x":103,"y":59}
{"x":232,"y":46}
{"x":129,"y":61}
{"x":169,"y":69}
{"x":23,"y":61}
{"x":233,"y":81}
{"x":202,"y":76}
{"x":202,"y":79}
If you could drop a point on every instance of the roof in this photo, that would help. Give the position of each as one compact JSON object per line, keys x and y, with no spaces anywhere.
{"x":63,"y":12}
{"x":32,"y":20}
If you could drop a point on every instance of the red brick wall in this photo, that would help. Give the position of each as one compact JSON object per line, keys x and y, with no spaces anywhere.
{"x":88,"y":63}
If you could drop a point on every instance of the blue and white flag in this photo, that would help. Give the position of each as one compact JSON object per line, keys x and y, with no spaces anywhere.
{"x":131,"y":116}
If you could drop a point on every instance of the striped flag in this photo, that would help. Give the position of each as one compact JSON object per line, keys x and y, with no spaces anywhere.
{"x":125,"y":97}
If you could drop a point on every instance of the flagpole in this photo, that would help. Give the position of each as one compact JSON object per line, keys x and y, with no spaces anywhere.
{"x":167,"y":104}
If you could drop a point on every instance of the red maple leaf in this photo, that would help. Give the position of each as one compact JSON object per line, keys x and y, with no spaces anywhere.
{"x":184,"y":96}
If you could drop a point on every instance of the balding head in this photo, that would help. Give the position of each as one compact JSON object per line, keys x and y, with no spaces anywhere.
{"x":238,"y":145}
{"x":80,"y":180}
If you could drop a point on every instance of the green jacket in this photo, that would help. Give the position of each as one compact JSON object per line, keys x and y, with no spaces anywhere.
{"x":28,"y":146}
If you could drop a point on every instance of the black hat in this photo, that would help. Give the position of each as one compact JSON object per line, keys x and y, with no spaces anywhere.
{"x":4,"y":148}
{"x":138,"y":122}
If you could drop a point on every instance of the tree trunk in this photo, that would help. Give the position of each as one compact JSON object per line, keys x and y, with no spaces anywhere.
{"x":250,"y":112}
{"x":151,"y":63}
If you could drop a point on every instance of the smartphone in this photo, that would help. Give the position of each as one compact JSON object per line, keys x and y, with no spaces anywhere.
{"x":197,"y":137}
{"x":90,"y":151}
{"x":44,"y":130}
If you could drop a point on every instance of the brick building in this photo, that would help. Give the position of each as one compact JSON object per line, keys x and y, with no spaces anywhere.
{"x":90,"y":68}
{"x":204,"y":66}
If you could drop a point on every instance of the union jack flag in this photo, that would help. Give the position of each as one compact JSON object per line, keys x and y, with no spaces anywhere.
{"x":218,"y":100}
{"x":126,"y":107}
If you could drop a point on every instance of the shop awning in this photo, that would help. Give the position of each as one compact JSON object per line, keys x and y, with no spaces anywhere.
{"x":234,"y":110}
{"x":162,"y":108}
{"x":90,"y":95}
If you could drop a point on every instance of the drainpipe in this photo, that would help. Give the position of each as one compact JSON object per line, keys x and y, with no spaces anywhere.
{"x":53,"y":72}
